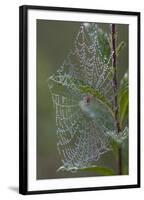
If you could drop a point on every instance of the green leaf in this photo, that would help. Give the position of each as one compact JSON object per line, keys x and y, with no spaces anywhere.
{"x":123,"y":101}
{"x":125,"y":167}
{"x":120,"y":47}
{"x":100,"y":170}
{"x":103,"y":39}
{"x":120,"y":136}
{"x":124,"y":108}
{"x":118,"y":140}
{"x":115,"y":147}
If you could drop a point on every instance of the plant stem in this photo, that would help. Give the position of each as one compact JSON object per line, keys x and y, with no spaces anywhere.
{"x":115,"y":87}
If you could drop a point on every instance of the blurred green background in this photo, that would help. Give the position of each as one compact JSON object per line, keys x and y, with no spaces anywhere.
{"x":54,"y":40}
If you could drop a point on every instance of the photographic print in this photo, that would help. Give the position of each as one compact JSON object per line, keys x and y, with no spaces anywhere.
{"x":86,"y":102}
{"x":81,"y":125}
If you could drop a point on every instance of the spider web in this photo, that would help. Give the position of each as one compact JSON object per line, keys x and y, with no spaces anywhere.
{"x":82,"y":120}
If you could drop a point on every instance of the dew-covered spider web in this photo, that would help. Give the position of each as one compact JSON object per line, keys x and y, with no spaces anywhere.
{"x":83,"y":97}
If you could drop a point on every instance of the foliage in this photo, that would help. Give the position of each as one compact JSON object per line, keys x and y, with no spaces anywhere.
{"x":100,"y":170}
{"x":123,"y":100}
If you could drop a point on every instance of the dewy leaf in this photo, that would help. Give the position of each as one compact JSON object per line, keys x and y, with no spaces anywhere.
{"x":120,"y":47}
{"x":100,"y":170}
{"x":123,"y":100}
{"x":104,"y":171}
{"x":119,"y":140}
{"x":104,"y":44}
{"x":119,"y":137}
{"x":124,"y":147}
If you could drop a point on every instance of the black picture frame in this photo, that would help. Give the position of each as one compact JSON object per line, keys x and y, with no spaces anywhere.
{"x":23,"y":97}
